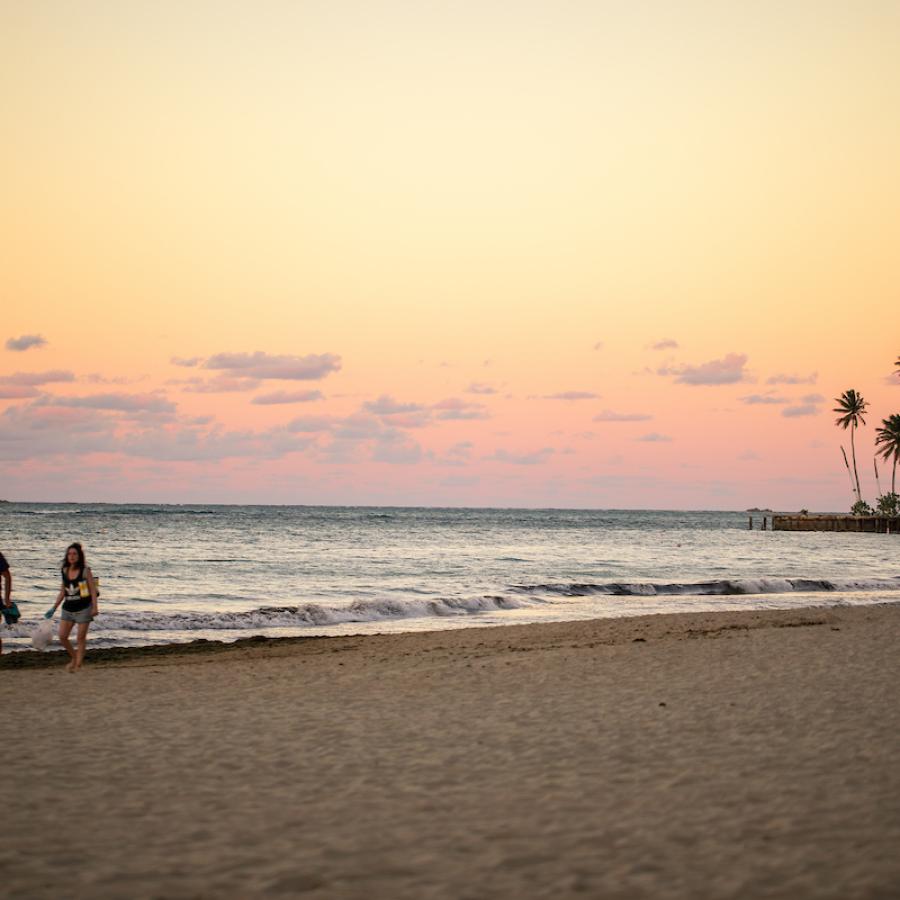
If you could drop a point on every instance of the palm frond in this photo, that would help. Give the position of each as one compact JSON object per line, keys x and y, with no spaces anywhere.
{"x":887,"y":438}
{"x":852,"y":408}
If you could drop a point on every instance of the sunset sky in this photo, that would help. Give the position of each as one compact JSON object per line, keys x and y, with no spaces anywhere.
{"x":571,"y":254}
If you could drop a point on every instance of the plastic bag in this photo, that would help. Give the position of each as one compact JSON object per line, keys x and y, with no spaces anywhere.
{"x":42,"y":635}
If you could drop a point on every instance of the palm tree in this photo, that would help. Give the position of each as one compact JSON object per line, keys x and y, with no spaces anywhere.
{"x":852,"y":408}
{"x":888,"y":436}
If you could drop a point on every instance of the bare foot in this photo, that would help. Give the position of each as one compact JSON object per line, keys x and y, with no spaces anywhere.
{"x":70,"y":667}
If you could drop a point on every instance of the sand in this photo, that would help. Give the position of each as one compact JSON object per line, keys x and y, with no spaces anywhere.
{"x":731,"y":755}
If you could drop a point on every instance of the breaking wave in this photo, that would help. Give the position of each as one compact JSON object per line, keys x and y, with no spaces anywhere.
{"x":307,"y":614}
{"x":318,"y":615}
{"x":713,"y":588}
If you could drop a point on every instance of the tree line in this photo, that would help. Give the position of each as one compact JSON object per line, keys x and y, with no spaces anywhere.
{"x":851,"y":408}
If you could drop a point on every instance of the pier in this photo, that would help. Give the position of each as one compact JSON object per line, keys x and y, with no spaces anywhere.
{"x":870,"y":524}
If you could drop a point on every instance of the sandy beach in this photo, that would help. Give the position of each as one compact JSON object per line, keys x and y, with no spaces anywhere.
{"x":727,"y":755}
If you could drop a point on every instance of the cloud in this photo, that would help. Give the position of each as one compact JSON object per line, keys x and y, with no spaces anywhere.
{"x":311,"y":424}
{"x":25,"y":342}
{"x":728,"y":370}
{"x":352,"y":434}
{"x":358,"y":427}
{"x":17,"y":391}
{"x":654,"y":437}
{"x":221,"y":384}
{"x":598,"y":345}
{"x":453,"y":408}
{"x":477,"y":388}
{"x":764,"y":399}
{"x":400,"y":415}
{"x":187,"y":362}
{"x":806,"y":409}
{"x":808,"y":406}
{"x":48,"y":430}
{"x":609,"y":416}
{"x":793,"y":379}
{"x":194,"y":445}
{"x":396,"y":448}
{"x":457,"y":455}
{"x":572,"y":395}
{"x":534,"y":458}
{"x":462,"y":450}
{"x":277,"y":397}
{"x":665,"y":344}
{"x":386,"y":405}
{"x":97,"y":378}
{"x":33,"y":379}
{"x":265,"y":366}
{"x":30,"y":431}
{"x":153,"y":403}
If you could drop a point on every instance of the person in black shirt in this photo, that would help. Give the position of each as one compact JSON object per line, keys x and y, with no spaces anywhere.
{"x":5,"y":587}
{"x":78,"y":596}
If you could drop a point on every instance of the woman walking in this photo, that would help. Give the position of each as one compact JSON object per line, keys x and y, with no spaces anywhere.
{"x":78,"y":596}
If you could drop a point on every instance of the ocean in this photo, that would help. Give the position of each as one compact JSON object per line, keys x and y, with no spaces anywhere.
{"x":178,"y":573}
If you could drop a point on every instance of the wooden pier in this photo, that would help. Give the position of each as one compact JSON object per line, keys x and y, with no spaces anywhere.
{"x":870,"y":524}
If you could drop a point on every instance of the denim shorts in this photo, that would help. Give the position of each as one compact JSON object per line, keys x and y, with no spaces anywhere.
{"x":81,"y":617}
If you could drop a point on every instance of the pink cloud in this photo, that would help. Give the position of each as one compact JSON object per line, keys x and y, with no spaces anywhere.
{"x":536,"y":457}
{"x":221,"y":384}
{"x":278,"y":397}
{"x":808,"y":406}
{"x":396,"y":448}
{"x":266,"y":366}
{"x":728,"y":370}
{"x":311,"y":424}
{"x":25,"y":342}
{"x":17,"y":391}
{"x":572,"y":395}
{"x":454,"y":408}
{"x":655,"y":437}
{"x":386,"y":405}
{"x":609,"y":416}
{"x":793,"y":379}
{"x":768,"y":399}
{"x":154,"y":403}
{"x":33,"y":379}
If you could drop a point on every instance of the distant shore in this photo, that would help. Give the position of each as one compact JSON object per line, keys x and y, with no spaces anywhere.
{"x":696,"y":755}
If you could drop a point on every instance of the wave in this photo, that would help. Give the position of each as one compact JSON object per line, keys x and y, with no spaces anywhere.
{"x":523,"y":596}
{"x":308,"y":614}
{"x":725,"y":587}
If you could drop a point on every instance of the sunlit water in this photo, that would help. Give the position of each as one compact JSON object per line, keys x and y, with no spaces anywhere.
{"x":172,"y":573}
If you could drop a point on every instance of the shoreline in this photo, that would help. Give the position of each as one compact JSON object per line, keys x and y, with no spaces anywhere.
{"x":609,"y":631}
{"x":673,"y":757}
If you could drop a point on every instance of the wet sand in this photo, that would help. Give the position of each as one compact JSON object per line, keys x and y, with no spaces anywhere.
{"x":726,"y":755}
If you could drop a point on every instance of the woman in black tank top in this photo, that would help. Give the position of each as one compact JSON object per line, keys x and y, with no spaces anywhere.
{"x":78,"y":596}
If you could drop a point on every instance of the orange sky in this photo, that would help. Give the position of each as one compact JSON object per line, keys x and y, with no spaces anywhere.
{"x":451,"y":234}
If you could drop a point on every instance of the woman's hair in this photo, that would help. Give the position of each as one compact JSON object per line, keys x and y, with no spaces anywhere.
{"x":77,"y":547}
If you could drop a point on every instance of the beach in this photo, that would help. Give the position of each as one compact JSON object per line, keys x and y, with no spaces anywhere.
{"x":722,"y":755}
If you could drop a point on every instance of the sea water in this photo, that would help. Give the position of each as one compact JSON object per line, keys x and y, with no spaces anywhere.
{"x":178,"y":573}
